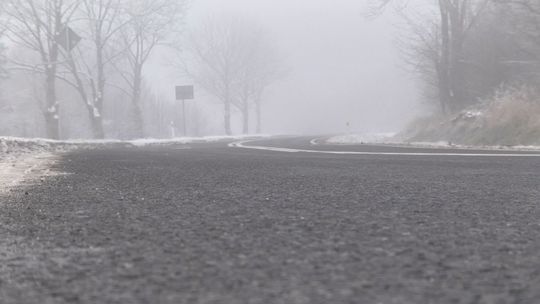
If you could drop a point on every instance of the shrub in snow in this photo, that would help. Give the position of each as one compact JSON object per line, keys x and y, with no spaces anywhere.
{"x":513,"y":117}
{"x":510,"y":117}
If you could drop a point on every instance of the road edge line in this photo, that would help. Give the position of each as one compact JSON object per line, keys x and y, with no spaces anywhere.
{"x":241,"y":145}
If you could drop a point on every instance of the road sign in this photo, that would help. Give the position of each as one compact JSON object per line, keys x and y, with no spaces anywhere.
{"x":184,"y":92}
{"x":68,"y":39}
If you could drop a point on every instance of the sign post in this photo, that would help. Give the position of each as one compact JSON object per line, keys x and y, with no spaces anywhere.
{"x":184,"y":93}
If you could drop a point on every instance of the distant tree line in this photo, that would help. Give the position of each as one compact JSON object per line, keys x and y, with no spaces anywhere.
{"x":82,"y":64}
{"x":465,"y":50}
{"x":91,"y":47}
{"x":235,"y":60}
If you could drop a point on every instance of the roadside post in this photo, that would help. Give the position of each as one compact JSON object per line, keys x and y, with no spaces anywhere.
{"x":173,"y":132}
{"x":184,"y":93}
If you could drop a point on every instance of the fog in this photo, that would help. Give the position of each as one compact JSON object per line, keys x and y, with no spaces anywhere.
{"x":269,"y":151}
{"x":342,"y":67}
{"x":110,"y":69}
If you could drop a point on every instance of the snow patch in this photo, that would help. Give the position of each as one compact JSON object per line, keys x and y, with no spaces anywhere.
{"x":189,"y":140}
{"x":450,"y":145}
{"x":437,"y":144}
{"x":25,"y":160}
{"x":23,"y":168}
{"x":353,"y":139}
{"x":96,"y":113}
{"x":473,"y":114}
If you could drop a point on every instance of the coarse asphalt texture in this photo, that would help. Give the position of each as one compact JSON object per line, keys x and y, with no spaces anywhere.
{"x":208,"y":223}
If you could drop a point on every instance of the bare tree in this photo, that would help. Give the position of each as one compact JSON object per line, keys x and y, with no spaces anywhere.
{"x":439,"y":47}
{"x":524,"y":21}
{"x":249,"y":73}
{"x":458,"y":18}
{"x":261,"y":69}
{"x":214,"y":60}
{"x":35,"y":25}
{"x":102,"y":21}
{"x":151,"y":24}
{"x":232,"y":58}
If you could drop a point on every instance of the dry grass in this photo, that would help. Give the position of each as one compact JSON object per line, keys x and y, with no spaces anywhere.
{"x":510,"y":118}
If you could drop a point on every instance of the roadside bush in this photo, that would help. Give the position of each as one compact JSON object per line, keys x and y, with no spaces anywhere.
{"x":511,"y":117}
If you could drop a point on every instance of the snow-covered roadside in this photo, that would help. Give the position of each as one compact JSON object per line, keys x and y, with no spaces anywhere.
{"x":390,"y":140}
{"x":39,"y":143}
{"x":189,"y":140}
{"x":25,"y":160}
{"x":448,"y":145}
{"x":355,"y":139}
{"x":16,"y":169}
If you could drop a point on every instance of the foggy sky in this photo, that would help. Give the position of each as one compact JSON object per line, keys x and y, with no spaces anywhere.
{"x":342,"y":67}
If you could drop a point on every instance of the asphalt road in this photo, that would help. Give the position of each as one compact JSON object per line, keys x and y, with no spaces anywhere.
{"x":207,"y":223}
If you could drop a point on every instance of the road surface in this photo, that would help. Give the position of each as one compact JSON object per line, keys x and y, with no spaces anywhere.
{"x":210,"y":223}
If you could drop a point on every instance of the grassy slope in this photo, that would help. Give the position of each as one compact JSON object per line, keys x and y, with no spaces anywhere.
{"x":510,"y":119}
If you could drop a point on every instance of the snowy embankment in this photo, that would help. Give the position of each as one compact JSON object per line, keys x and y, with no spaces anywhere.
{"x":509,"y":120}
{"x":26,"y":160}
{"x":397,"y":141}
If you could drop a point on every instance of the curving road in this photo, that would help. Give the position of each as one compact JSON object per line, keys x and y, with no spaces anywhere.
{"x":268,"y":221}
{"x":318,"y":145}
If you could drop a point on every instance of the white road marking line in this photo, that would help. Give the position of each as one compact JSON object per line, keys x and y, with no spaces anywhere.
{"x":241,"y":145}
{"x":315,"y":142}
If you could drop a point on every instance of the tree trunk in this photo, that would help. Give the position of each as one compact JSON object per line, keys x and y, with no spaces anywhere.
{"x":52,"y":113}
{"x":227,"y":117}
{"x":245,"y":116}
{"x":97,"y":128}
{"x":100,"y":95}
{"x":96,"y":123}
{"x":138,"y":122}
{"x":444,"y":62}
{"x":443,"y":97}
{"x":456,"y":73}
{"x":259,"y":116}
{"x":93,"y":111}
